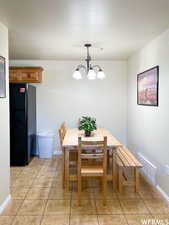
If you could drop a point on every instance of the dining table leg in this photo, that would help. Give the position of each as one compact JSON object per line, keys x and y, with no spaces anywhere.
{"x":114,"y":173}
{"x":66,"y":169}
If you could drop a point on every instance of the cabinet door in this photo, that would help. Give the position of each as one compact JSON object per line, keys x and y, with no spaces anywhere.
{"x":15,"y":76}
{"x":25,"y":74}
{"x":30,"y":76}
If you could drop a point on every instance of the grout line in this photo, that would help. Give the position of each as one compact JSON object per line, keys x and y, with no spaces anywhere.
{"x":30,"y":186}
{"x":120,"y":204}
{"x":21,"y":204}
{"x":13,"y":220}
{"x":46,"y":167}
{"x":125,"y":217}
{"x":43,"y":213}
{"x":97,"y":217}
{"x":145,"y":204}
{"x":41,"y":219}
{"x":96,"y":209}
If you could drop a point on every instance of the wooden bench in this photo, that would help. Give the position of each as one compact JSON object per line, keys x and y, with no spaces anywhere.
{"x":127,"y":161}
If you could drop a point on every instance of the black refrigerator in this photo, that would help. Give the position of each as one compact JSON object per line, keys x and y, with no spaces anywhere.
{"x":22,"y":123}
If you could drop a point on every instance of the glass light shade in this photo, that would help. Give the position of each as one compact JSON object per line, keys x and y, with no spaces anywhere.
{"x":101,"y":75}
{"x":77,"y":75}
{"x":91,"y":75}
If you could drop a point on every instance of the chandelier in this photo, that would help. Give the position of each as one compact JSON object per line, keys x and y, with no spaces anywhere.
{"x":92,"y":71}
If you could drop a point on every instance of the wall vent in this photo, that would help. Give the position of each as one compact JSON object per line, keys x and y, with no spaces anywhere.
{"x":149,"y":170}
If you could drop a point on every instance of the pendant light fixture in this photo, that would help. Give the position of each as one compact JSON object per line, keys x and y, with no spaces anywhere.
{"x":92,"y":71}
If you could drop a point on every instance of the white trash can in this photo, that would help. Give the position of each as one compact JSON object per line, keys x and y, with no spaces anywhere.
{"x":46,"y":144}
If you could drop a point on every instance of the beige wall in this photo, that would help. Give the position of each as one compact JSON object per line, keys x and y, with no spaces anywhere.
{"x":60,"y":97}
{"x":4,"y":123}
{"x":148,"y":127}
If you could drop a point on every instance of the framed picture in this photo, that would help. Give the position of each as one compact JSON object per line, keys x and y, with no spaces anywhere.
{"x":2,"y":78}
{"x":147,"y":87}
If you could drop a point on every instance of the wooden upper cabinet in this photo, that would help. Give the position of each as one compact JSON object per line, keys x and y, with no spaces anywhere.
{"x":25,"y":74}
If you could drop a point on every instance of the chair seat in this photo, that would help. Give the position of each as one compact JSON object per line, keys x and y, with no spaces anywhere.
{"x":92,"y":170}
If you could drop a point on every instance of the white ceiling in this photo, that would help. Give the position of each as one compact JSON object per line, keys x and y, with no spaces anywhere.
{"x":57,"y":29}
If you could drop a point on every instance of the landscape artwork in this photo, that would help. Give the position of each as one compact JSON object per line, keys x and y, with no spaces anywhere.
{"x":147,"y":87}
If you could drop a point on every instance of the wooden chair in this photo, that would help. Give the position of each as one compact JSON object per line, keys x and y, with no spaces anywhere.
{"x":73,"y":153}
{"x":127,"y":161}
{"x":87,"y":169}
{"x":78,"y":123}
{"x":62,"y":132}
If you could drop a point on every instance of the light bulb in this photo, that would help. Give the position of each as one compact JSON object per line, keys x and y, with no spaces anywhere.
{"x":77,"y":75}
{"x":101,"y":75}
{"x":91,"y":74}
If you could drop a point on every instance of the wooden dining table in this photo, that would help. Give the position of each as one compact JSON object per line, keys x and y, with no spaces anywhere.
{"x":70,"y":143}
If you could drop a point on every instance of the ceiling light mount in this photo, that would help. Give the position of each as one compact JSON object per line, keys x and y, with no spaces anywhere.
{"x":92,"y":71}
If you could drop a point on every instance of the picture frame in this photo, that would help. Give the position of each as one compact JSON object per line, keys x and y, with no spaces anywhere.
{"x":148,"y":87}
{"x":2,"y":77}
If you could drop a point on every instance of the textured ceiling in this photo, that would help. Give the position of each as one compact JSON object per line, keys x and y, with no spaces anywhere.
{"x":57,"y":29}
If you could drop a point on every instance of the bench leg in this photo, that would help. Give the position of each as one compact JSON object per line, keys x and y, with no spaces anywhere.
{"x":108,"y":160}
{"x":120,"y":178}
{"x":114,"y":173}
{"x":63,"y":168}
{"x":66,"y":165}
{"x":136,"y":174}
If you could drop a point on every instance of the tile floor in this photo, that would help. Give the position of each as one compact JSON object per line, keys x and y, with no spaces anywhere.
{"x":38,"y":199}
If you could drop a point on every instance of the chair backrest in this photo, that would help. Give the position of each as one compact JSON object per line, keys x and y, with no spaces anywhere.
{"x":62,"y":132}
{"x":78,"y":123}
{"x":100,"y":153}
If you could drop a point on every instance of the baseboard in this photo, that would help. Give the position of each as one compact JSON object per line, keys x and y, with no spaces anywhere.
{"x":162,"y":192}
{"x":5,"y":203}
{"x":57,"y":152}
{"x":159,"y":189}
